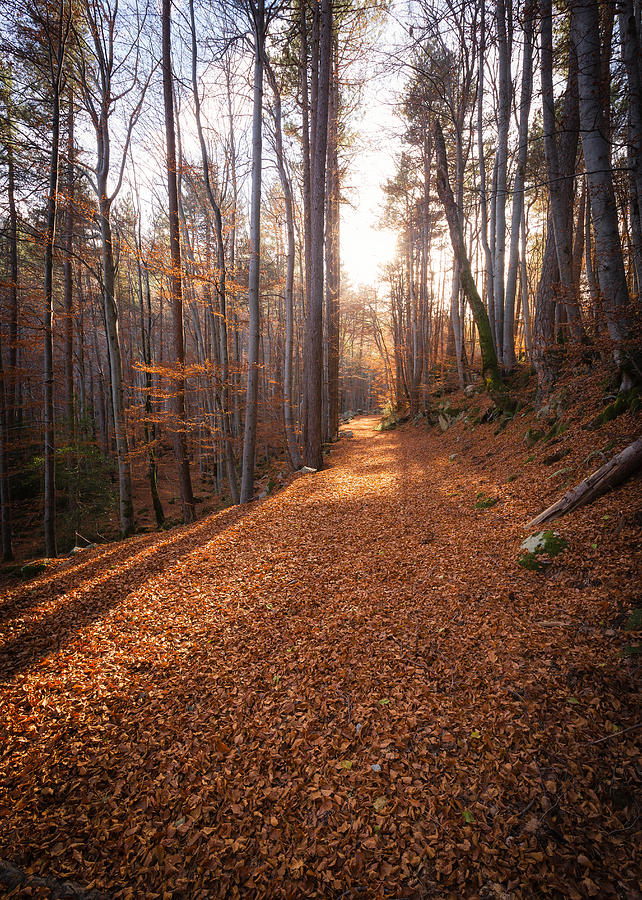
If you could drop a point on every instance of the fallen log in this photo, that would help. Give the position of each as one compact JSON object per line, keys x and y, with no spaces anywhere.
{"x":608,"y":476}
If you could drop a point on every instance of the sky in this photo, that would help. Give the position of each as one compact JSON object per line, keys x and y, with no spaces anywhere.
{"x":365,"y":247}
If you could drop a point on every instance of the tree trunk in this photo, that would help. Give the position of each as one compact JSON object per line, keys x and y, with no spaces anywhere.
{"x":608,"y":476}
{"x":251,"y":397}
{"x":518,"y":196}
{"x":175,"y":278}
{"x":115,"y":363}
{"x":68,"y":273}
{"x":332,"y":250}
{"x":11,"y":395}
{"x":546,"y":355}
{"x":5,"y":500}
{"x":483,"y":198}
{"x":313,"y":362}
{"x":560,"y":211}
{"x":490,"y":367}
{"x":286,"y":187}
{"x":221,"y":329}
{"x":585,"y":34}
{"x":504,"y":91}
{"x":48,"y":376}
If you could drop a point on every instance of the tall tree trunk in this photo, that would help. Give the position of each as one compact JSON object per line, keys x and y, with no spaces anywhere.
{"x":5,"y":500}
{"x":332,"y":251}
{"x":483,"y":196}
{"x":630,"y":42}
{"x":504,"y":92}
{"x":56,"y":55}
{"x":490,"y":367}
{"x":560,"y":213}
{"x":528,"y":340}
{"x":175,"y":278}
{"x":585,"y":34}
{"x":518,"y":196}
{"x":546,"y":356}
{"x":313,"y":362}
{"x":115,"y":361}
{"x":251,"y":397}
{"x":286,"y":187}
{"x":221,"y":331}
{"x":12,"y":412}
{"x":68,"y":272}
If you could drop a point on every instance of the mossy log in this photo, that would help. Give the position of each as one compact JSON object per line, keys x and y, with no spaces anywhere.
{"x":608,"y":476}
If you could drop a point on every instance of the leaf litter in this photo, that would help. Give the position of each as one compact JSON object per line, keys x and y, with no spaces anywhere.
{"x":196,"y":714}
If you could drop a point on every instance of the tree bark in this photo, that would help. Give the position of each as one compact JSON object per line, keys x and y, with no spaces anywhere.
{"x":332,"y":251}
{"x":288,"y":201}
{"x":585,"y":34}
{"x":5,"y":500}
{"x":490,"y":367}
{"x":12,"y":393}
{"x":560,"y":211}
{"x":56,"y":55}
{"x":518,"y":195}
{"x":220,"y":330}
{"x":175,"y":277}
{"x":504,"y":92}
{"x":68,"y":271}
{"x":251,"y":397}
{"x":608,"y":476}
{"x":313,"y":361}
{"x":483,"y":195}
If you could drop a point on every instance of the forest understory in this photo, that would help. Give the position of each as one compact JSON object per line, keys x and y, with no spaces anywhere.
{"x":350,"y":688}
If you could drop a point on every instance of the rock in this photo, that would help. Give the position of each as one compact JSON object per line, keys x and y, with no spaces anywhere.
{"x":550,"y":542}
{"x":346,"y":434}
{"x":376,"y":767}
{"x":34,"y":568}
{"x":542,"y":543}
{"x":263,"y":494}
{"x":78,"y":549}
{"x":469,"y":390}
{"x":304,"y":470}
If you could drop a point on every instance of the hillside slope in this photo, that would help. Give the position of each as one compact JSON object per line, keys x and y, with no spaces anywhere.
{"x":350,"y":688}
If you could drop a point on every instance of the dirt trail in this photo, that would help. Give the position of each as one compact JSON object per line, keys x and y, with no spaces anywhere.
{"x":348,"y":689}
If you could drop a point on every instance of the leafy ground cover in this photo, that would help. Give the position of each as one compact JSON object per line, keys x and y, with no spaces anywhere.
{"x":348,"y":689}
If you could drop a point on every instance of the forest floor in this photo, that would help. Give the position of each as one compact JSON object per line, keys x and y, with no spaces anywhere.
{"x":348,"y":689}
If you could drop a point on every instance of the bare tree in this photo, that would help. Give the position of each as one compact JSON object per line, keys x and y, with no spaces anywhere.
{"x":104,"y":84}
{"x":313,"y":359}
{"x":56,"y":33}
{"x":256,"y":12}
{"x":175,"y":277}
{"x":585,"y":34}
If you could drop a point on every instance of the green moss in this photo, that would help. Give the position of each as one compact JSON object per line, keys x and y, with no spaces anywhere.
{"x":30,"y":570}
{"x":532,"y":436}
{"x":485,"y":502}
{"x":634,"y":622}
{"x":627,"y":400}
{"x":561,"y":472}
{"x":537,"y":550}
{"x":557,"y":429}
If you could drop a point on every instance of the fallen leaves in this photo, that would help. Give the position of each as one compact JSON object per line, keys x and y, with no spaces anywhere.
{"x":303,"y":699}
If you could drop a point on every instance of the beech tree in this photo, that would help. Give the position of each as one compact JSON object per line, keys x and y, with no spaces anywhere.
{"x":175,"y":278}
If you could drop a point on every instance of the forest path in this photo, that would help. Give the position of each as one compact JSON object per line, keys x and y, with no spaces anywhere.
{"x":200,"y":713}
